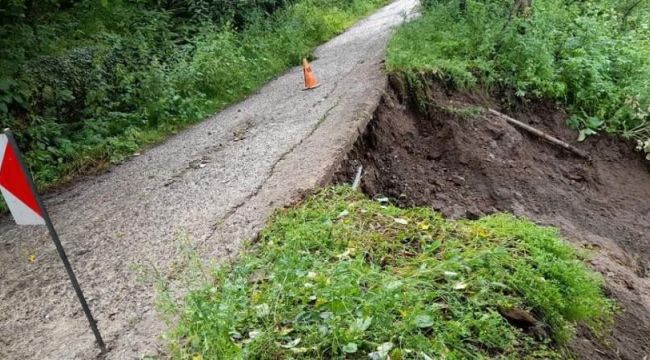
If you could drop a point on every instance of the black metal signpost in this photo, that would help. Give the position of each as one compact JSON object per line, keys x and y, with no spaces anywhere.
{"x":57,"y":243}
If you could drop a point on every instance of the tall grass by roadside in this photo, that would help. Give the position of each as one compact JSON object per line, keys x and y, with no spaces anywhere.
{"x":344,"y":277}
{"x":591,"y":56}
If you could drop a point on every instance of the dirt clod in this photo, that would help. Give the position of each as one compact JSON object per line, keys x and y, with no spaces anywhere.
{"x":518,"y":317}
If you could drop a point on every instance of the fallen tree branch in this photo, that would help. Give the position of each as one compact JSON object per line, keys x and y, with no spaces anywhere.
{"x":541,"y":134}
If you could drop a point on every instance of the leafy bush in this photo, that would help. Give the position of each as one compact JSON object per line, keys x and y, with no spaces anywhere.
{"x":593,"y":56}
{"x":341,"y":276}
{"x":85,"y":83}
{"x":220,"y":12}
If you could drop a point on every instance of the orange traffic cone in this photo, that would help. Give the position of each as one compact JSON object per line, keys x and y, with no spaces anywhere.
{"x":310,"y":79}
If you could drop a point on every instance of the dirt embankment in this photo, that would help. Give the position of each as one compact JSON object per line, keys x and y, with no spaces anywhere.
{"x":431,"y":146}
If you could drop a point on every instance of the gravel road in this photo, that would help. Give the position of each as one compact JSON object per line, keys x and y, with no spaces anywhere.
{"x":214,"y":184}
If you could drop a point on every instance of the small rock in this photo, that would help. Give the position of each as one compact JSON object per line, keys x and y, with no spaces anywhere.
{"x":574,"y":176}
{"x":83,"y":252}
{"x":401,"y":221}
{"x":442,"y":197}
{"x":497,"y":134}
{"x":500,"y":194}
{"x":457,"y":180}
{"x":453,"y":212}
{"x":434,"y":155}
{"x":437,"y":205}
{"x":473,"y":213}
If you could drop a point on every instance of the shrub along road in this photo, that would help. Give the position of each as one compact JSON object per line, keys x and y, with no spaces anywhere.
{"x":213,"y":185}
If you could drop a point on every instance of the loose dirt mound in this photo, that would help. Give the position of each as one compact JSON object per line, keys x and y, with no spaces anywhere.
{"x":449,"y":155}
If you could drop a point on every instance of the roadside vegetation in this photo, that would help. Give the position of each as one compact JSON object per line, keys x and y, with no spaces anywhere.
{"x":593,"y":57}
{"x":341,"y":276}
{"x":85,"y":83}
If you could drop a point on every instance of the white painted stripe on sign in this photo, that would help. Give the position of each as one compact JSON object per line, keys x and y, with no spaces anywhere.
{"x":3,"y":146}
{"x":23,"y":214}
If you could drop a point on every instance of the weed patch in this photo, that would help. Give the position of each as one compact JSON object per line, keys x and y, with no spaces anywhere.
{"x":592,"y":57}
{"x":341,"y":276}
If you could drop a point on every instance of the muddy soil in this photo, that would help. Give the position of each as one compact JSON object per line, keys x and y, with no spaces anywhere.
{"x":466,"y":163}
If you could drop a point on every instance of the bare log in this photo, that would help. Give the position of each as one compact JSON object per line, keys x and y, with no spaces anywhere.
{"x":541,"y":134}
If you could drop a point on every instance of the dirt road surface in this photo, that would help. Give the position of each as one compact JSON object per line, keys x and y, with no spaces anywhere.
{"x":215,"y":184}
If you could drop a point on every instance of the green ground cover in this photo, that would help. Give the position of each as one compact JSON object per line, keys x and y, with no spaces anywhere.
{"x":593,"y":57}
{"x":341,"y":276}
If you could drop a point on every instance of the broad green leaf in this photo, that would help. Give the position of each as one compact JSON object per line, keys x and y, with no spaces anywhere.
{"x":423,"y":321}
{"x":350,"y":348}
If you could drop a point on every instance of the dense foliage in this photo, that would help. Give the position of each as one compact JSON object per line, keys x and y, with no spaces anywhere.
{"x":84,"y":83}
{"x":592,"y":56}
{"x":344,"y":277}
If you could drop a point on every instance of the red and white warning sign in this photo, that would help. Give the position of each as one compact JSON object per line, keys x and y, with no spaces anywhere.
{"x":19,"y":193}
{"x":16,"y":186}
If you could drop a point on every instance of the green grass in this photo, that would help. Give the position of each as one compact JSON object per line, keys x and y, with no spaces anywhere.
{"x":85,"y":87}
{"x":588,"y":56}
{"x":341,"y":276}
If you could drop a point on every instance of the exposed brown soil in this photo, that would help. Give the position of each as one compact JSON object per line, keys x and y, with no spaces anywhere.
{"x":467,"y":163}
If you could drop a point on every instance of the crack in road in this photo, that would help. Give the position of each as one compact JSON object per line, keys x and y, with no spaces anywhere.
{"x":223,"y":219}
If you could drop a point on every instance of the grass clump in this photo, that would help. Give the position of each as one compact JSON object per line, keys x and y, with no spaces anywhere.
{"x":341,"y":276}
{"x":591,"y":56}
